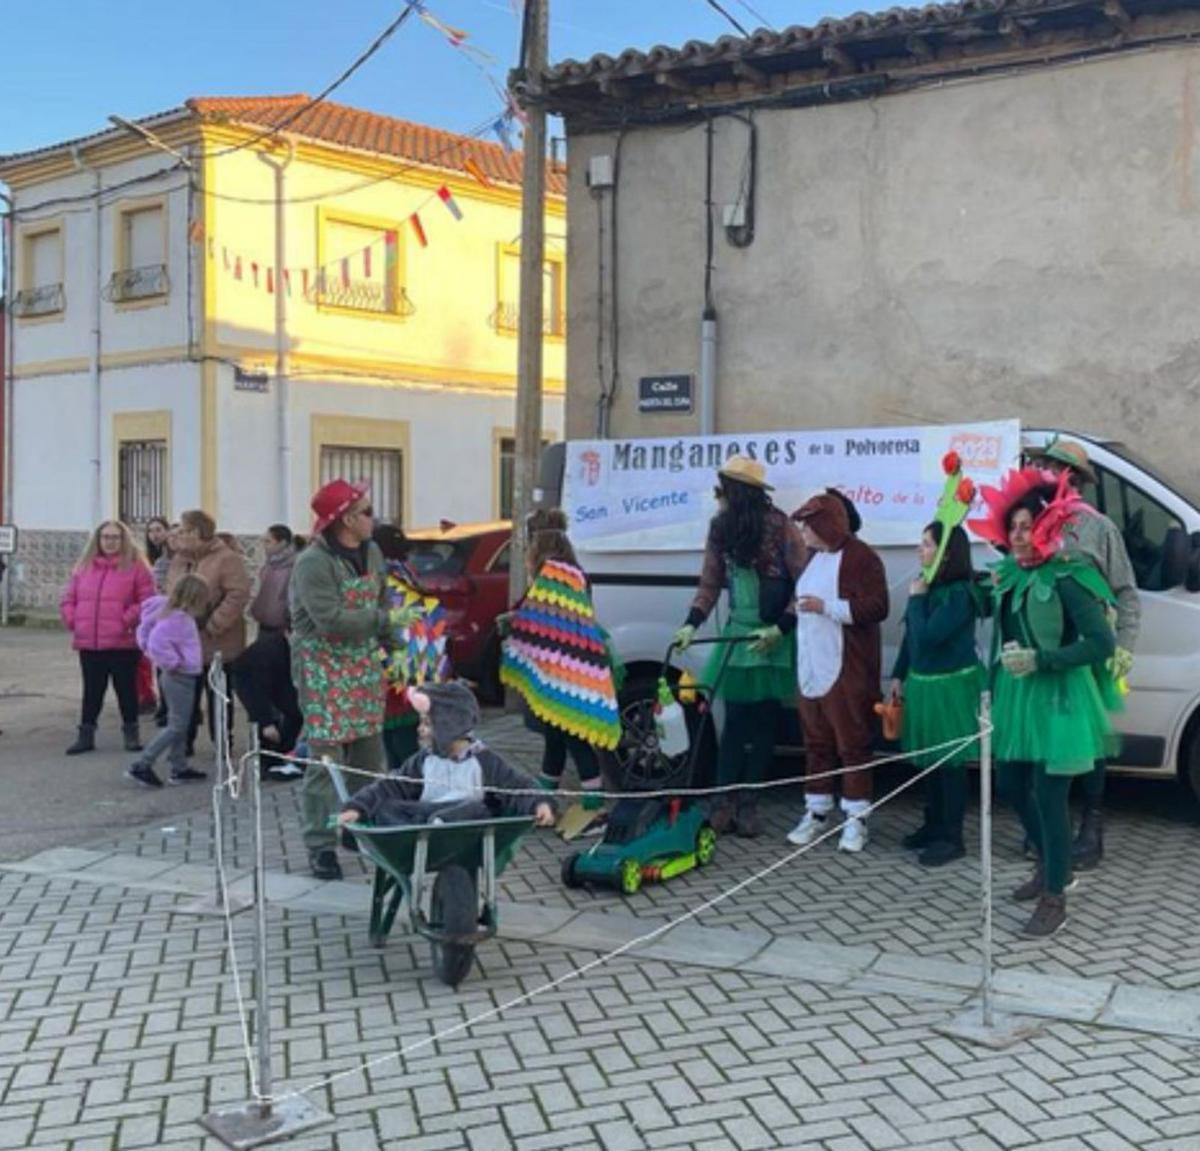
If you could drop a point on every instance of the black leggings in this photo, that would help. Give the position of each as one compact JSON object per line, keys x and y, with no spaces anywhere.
{"x":554,"y":756}
{"x":98,"y":668}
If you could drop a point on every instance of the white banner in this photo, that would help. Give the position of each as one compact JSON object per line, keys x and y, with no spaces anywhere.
{"x":657,"y":495}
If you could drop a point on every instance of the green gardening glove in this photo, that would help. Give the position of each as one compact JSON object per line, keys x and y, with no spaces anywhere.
{"x":765,"y":638}
{"x":684,"y":636}
{"x":1019,"y":661}
{"x":1121,"y":663}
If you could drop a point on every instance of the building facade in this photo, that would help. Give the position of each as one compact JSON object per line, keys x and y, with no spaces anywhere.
{"x":964,"y":211}
{"x":227,"y":304}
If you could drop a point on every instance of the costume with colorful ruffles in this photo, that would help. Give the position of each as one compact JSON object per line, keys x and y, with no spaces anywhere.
{"x":556,"y":656}
{"x":416,"y":651}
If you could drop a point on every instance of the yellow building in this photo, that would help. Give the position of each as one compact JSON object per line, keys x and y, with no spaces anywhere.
{"x":225,"y":304}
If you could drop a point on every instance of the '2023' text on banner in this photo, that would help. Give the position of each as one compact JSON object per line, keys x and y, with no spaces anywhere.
{"x":657,"y":494}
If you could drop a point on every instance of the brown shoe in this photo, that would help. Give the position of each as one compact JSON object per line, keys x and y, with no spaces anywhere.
{"x":748,"y":825}
{"x":1032,"y":887}
{"x":1048,"y":917}
{"x":721,"y":818}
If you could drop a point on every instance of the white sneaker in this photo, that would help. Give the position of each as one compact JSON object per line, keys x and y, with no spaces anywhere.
{"x":812,"y":825}
{"x":854,"y":835}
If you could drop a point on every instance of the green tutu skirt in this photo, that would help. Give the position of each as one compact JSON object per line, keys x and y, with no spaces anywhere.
{"x":938,"y":709}
{"x":1055,"y":718}
{"x":742,"y":676}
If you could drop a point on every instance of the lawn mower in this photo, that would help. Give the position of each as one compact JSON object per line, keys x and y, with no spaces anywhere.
{"x":656,"y":838}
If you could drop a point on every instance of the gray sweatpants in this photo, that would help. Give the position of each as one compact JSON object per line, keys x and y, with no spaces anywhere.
{"x":179,"y":691}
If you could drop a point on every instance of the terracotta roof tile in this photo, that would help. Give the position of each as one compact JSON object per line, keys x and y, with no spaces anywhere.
{"x":365,"y":131}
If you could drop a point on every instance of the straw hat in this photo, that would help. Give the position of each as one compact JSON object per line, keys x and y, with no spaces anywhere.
{"x":1067,"y":452}
{"x":745,"y":471}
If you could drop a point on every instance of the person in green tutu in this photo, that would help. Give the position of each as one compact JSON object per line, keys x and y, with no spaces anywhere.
{"x":1052,"y":692}
{"x":754,"y":553}
{"x":939,"y":676}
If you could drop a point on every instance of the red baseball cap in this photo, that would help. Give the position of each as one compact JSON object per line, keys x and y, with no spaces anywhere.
{"x":334,"y":499}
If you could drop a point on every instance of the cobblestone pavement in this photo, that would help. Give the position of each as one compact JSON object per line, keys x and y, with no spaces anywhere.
{"x":119,"y":1026}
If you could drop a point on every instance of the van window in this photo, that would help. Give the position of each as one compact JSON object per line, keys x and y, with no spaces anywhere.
{"x":1143,"y":524}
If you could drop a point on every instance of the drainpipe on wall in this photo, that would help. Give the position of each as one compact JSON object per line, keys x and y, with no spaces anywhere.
{"x":282,"y":427}
{"x":6,"y":511}
{"x":708,"y":371}
{"x":97,"y":421}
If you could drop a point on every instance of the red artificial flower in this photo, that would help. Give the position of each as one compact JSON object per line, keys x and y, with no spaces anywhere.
{"x":965,"y":492}
{"x":951,"y":463}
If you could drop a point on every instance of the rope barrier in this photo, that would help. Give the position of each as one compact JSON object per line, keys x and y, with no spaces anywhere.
{"x":554,"y":984}
{"x":951,"y":745}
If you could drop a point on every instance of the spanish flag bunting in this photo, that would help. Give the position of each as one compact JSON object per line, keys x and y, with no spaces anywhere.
{"x":270,"y":282}
{"x":304,"y":281}
{"x":254,"y":272}
{"x":287,"y":281}
{"x":418,"y":230}
{"x":367,"y":262}
{"x":346,"y":273}
{"x":476,"y":171}
{"x":237,"y":268}
{"x":447,"y":199}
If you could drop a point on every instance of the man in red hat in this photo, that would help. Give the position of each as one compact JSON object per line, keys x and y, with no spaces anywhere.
{"x":338,"y":600}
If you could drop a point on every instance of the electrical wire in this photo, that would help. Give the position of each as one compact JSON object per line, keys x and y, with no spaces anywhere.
{"x":732,"y":20}
{"x":757,"y":15}
{"x":409,"y":8}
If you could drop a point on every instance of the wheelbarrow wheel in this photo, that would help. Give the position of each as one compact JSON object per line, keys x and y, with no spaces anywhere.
{"x":570,"y":876}
{"x":453,"y":910}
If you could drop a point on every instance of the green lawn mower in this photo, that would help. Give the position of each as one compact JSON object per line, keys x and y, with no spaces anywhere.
{"x":654,"y":839}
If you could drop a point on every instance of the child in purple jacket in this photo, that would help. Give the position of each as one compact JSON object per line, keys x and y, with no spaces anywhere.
{"x":169,"y":635}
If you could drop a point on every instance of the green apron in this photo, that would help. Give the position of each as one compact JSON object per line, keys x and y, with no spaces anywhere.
{"x":738,"y":674}
{"x":340,"y":681}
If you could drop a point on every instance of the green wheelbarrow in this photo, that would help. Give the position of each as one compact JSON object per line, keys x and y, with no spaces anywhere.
{"x":462,"y":859}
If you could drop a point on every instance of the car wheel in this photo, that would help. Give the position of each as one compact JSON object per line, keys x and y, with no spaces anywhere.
{"x":1190,"y":760}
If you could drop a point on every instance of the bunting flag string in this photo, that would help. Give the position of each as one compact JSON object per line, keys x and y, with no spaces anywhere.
{"x":447,"y":198}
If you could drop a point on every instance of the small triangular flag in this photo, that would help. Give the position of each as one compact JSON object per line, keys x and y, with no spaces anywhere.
{"x":447,"y":199}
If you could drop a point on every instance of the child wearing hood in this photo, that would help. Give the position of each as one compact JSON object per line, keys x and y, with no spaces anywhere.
{"x":170,"y":637}
{"x":449,"y":779}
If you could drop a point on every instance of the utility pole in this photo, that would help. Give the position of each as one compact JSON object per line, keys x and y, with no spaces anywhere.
{"x":535,"y":42}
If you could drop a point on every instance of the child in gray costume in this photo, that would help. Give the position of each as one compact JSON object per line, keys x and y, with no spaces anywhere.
{"x":448,"y":779}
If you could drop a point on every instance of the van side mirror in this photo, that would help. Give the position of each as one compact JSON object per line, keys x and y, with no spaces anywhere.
{"x":1176,"y":558}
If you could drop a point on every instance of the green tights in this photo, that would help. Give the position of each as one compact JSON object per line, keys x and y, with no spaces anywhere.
{"x":1040,"y":800}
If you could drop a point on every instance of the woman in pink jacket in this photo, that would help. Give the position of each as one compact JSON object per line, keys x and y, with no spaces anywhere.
{"x":100,"y":608}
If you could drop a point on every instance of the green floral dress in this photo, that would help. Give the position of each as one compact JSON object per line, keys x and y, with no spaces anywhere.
{"x":341,"y":681}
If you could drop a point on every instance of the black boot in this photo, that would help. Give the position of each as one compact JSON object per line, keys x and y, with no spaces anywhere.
{"x":85,"y":740}
{"x":1088,"y":849}
{"x":133,"y":740}
{"x":746,"y":822}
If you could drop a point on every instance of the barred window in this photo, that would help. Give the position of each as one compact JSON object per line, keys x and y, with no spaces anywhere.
{"x":142,"y":482}
{"x":382,"y":468}
{"x":506,"y":479}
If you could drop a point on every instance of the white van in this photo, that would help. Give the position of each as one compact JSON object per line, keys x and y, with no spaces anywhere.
{"x":642,"y":597}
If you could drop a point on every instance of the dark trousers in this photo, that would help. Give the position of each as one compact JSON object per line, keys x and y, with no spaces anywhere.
{"x":554,"y":756}
{"x":1040,"y":800}
{"x":98,"y":667}
{"x":747,"y":742}
{"x":1092,"y":784}
{"x":838,"y":726}
{"x":205,"y":692}
{"x":946,"y":802}
{"x":399,"y":743}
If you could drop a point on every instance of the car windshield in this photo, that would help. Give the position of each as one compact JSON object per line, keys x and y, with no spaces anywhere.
{"x":438,"y":557}
{"x":1132,"y":457}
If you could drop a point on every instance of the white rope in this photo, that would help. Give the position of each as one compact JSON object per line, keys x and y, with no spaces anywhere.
{"x":951,"y":745}
{"x":599,"y":961}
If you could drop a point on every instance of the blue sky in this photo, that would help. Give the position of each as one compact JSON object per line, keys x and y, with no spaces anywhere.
{"x":67,"y":64}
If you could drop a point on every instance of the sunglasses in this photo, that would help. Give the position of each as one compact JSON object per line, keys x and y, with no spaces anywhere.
{"x":367,"y":511}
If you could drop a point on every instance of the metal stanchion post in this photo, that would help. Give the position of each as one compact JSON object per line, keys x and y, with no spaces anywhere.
{"x":216,"y":903}
{"x":262,"y":1119}
{"x":980,"y":1024}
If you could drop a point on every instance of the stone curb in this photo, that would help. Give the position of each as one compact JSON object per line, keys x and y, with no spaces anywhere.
{"x":867,"y":970}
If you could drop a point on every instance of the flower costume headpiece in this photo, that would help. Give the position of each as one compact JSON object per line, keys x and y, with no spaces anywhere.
{"x":1064,"y":504}
{"x":958,"y":493}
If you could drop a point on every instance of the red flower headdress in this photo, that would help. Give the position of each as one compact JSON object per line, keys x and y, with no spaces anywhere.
{"x":1064,"y":505}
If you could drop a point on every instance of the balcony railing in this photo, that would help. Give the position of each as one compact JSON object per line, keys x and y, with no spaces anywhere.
{"x":43,"y":301}
{"x":137,"y":284}
{"x":362,"y":296}
{"x":507,"y":318}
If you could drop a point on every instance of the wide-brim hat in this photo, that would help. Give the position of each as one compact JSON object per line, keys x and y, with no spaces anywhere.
{"x":1073,"y":455}
{"x":745,"y":471}
{"x":335,"y":499}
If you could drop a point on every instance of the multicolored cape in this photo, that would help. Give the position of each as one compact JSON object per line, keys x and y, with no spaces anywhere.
{"x":556,"y":656}
{"x":416,"y":653}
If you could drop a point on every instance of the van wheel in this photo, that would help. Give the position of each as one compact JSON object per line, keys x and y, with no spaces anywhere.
{"x":1190,"y":764}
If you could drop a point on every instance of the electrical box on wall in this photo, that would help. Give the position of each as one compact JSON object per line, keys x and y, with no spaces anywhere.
{"x":600,"y":172}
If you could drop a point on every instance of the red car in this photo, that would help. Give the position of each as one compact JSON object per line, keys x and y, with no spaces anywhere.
{"x":466,"y":567}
